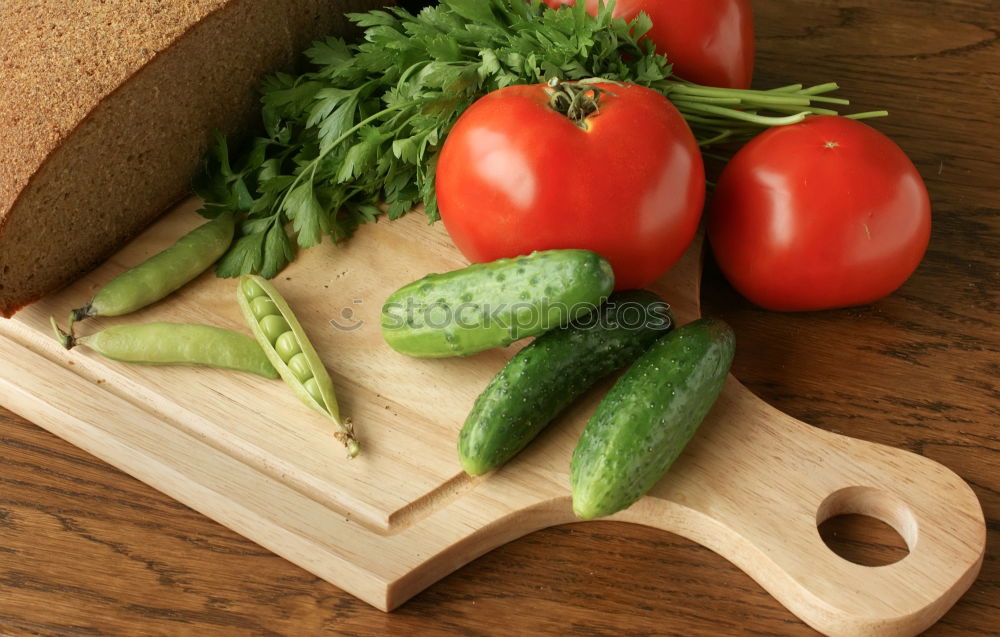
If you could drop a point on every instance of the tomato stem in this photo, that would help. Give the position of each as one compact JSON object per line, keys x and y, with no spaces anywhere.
{"x":575,"y":100}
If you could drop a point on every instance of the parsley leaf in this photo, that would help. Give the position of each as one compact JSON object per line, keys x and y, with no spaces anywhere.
{"x":361,"y":129}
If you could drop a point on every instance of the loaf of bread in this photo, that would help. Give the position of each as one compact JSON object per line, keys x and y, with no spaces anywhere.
{"x":106,"y":107}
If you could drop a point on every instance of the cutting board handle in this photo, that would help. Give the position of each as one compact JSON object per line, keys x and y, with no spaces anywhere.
{"x":761,"y":482}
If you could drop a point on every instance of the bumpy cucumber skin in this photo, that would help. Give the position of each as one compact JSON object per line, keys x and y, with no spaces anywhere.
{"x":493,"y":304}
{"x":545,"y":377}
{"x":648,"y":417}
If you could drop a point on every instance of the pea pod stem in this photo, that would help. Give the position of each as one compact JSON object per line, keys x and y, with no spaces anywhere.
{"x":65,"y":339}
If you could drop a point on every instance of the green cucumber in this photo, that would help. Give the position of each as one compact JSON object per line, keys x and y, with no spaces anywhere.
{"x":545,"y":377}
{"x":648,"y":417}
{"x":491,"y":305}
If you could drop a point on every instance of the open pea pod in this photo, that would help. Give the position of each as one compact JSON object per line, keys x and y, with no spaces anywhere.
{"x":285,"y":343}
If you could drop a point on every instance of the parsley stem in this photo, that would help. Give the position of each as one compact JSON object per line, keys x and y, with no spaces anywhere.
{"x":721,"y":101}
{"x":821,"y":88}
{"x":763,"y":120}
{"x":830,"y":100}
{"x":812,"y":110}
{"x":868,"y":115}
{"x":791,"y":88}
{"x":757,"y":97}
{"x":722,"y":136}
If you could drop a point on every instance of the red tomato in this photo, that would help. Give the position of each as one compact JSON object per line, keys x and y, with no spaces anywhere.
{"x":515,"y":176}
{"x":709,"y":42}
{"x":823,"y":214}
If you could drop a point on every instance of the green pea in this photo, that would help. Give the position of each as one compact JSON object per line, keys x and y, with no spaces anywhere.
{"x":161,"y":274}
{"x":263,"y":306}
{"x":273,"y":326}
{"x":287,"y":346}
{"x":176,"y":344}
{"x":251,"y":290}
{"x":299,"y":364}
{"x":312,"y":386}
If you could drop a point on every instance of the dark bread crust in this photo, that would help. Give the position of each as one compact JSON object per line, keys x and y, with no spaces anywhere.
{"x":78,"y":180}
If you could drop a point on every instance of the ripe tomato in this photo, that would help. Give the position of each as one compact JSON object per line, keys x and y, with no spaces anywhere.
{"x":514,"y":175}
{"x":823,"y":214}
{"x":709,"y":42}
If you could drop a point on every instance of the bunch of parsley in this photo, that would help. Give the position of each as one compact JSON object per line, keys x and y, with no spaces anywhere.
{"x":363,"y":127}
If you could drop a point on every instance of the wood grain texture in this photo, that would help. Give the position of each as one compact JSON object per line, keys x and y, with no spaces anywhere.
{"x":751,"y":486}
{"x":84,"y":549}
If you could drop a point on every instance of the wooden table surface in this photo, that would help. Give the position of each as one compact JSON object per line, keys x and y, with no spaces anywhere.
{"x":85,"y":549}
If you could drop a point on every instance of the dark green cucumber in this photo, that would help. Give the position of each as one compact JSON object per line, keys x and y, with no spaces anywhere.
{"x":491,"y":305}
{"x":545,"y":377}
{"x":648,"y":417}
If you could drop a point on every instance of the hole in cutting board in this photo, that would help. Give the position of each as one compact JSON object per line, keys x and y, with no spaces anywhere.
{"x":863,"y":540}
{"x":867,"y":526}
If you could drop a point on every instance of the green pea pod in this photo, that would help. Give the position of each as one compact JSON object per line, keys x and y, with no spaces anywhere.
{"x":175,"y":344}
{"x":161,"y":274}
{"x":288,"y":348}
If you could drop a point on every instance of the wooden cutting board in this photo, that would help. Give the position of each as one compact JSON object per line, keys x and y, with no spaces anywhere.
{"x":753,"y":485}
